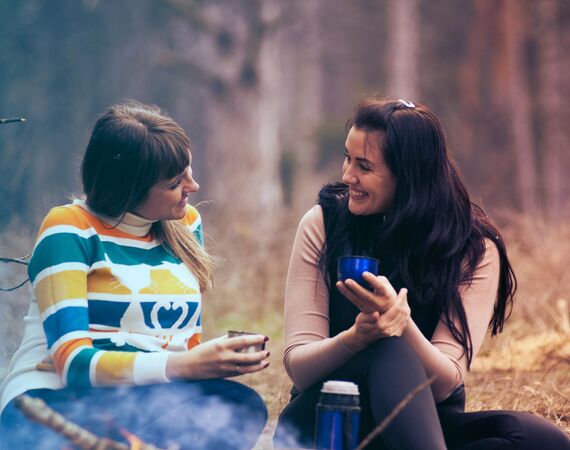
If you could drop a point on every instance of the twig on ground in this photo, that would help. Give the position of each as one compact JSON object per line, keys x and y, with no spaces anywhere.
{"x":390,"y":417}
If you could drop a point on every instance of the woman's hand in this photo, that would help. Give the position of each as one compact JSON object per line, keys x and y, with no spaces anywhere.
{"x":371,"y":326}
{"x":381,"y":300}
{"x":218,"y":358}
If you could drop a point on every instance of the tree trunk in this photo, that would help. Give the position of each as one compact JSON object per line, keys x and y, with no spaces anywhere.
{"x":301,"y":102}
{"x":243,"y":156}
{"x":403,"y":42}
{"x":522,"y":136}
{"x":243,"y":142}
{"x":551,"y":107}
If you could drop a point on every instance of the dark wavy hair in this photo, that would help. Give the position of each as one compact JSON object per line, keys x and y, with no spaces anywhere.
{"x":433,"y":233}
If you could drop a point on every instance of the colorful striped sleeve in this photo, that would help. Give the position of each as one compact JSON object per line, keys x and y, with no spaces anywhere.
{"x":64,"y":253}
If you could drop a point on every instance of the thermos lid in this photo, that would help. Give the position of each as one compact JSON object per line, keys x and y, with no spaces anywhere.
{"x":339,"y":387}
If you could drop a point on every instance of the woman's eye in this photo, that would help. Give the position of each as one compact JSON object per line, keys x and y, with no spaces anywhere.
{"x":365,"y":168}
{"x":174,"y":186}
{"x":347,"y":156}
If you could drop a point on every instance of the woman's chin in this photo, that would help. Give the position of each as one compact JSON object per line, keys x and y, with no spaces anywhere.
{"x":356,"y":209}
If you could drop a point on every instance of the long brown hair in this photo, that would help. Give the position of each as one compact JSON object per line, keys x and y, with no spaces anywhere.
{"x":132,"y":147}
{"x":433,"y":235}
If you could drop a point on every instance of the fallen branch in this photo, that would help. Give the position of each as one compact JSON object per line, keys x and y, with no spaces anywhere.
{"x":15,"y":260}
{"x":390,"y":417}
{"x":37,"y":410}
{"x":14,"y":287}
{"x":13,"y":119}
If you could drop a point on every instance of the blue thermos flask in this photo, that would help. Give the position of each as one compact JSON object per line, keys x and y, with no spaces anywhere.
{"x":338,"y":416}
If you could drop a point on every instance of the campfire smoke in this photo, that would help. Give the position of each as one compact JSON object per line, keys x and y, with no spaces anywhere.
{"x":36,"y":410}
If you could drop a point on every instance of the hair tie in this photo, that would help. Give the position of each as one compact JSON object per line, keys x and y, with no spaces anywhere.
{"x":406,"y":103}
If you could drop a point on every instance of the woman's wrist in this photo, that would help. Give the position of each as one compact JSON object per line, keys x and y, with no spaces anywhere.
{"x":174,"y":367}
{"x":351,"y":340}
{"x":411,"y":330}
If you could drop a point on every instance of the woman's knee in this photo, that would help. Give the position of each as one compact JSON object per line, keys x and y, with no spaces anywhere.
{"x":393,"y":356}
{"x":528,"y":431}
{"x":254,"y":404}
{"x":219,"y":397}
{"x":392,"y":346}
{"x":244,"y":397}
{"x":238,"y":391}
{"x":211,"y":414}
{"x":296,"y":423}
{"x":517,"y":430}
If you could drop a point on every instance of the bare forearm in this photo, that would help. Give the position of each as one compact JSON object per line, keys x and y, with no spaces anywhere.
{"x":308,"y":363}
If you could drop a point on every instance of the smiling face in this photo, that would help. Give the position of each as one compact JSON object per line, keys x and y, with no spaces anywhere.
{"x":167,"y":199}
{"x":371,"y":183}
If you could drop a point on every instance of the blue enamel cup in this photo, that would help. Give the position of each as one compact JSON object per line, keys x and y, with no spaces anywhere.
{"x":354,"y":266}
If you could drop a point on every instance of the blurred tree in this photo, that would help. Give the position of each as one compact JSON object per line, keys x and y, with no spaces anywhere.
{"x":257,"y":83}
{"x":552,"y":144}
{"x":403,"y":31}
{"x":515,"y":26}
{"x":63,"y":63}
{"x":511,"y":80}
{"x":302,"y":47}
{"x":234,"y":55}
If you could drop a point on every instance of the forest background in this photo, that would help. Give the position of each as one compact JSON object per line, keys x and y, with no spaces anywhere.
{"x":264,"y":88}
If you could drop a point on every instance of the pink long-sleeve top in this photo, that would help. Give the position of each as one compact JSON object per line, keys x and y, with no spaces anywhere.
{"x":311,"y":354}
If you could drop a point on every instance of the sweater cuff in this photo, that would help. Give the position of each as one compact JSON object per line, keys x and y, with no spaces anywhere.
{"x":150,"y":368}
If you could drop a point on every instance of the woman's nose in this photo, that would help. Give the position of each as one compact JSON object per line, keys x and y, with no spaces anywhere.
{"x":190,"y":186}
{"x":193,"y":186}
{"x":348,"y":177}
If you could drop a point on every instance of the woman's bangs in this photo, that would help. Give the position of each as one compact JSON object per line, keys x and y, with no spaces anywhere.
{"x":173,"y":156}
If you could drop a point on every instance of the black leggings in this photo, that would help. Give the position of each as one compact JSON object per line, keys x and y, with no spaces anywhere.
{"x":385,"y":373}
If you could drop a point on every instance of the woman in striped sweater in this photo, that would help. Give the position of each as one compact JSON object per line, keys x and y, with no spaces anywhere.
{"x":117,"y":282}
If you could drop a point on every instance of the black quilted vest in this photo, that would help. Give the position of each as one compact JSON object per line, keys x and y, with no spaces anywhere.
{"x":365,"y":232}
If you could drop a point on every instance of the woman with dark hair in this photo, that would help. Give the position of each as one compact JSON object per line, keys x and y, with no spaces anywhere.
{"x":445,"y":279}
{"x":117,"y":283}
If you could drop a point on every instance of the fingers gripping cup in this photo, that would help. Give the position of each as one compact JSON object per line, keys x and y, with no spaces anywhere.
{"x":354,"y":266}
{"x":251,"y":348}
{"x":338,"y":416}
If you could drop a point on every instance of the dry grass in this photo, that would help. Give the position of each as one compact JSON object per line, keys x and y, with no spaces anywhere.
{"x":525,"y":368}
{"x":530,"y":374}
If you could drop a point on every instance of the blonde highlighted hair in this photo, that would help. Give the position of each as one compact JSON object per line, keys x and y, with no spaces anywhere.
{"x":183,"y":244}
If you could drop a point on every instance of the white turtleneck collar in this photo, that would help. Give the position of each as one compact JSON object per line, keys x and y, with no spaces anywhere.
{"x":131,"y":223}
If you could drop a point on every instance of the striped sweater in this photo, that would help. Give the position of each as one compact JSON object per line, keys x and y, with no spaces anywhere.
{"x":109,"y":304}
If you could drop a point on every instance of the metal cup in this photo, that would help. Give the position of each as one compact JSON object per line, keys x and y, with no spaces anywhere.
{"x":249,"y":349}
{"x":354,"y":266}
